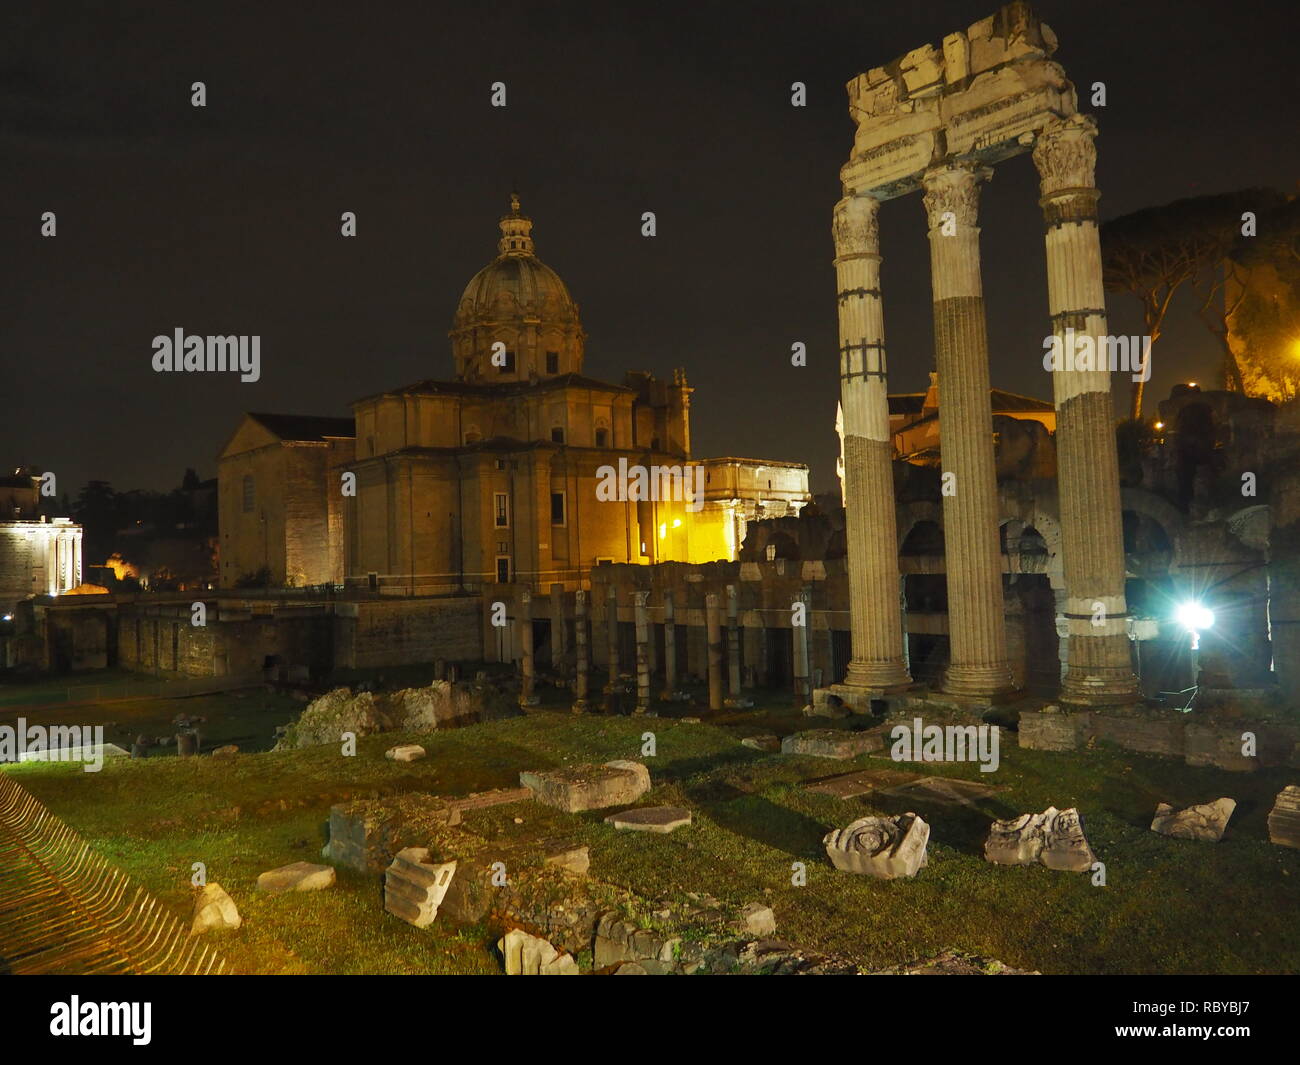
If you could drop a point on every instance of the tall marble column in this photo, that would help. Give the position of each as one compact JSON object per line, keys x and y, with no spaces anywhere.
{"x":1099,"y":669}
{"x":978,"y":664}
{"x":877,"y":629}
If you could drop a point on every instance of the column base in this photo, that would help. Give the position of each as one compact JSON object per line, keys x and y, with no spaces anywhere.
{"x":1099,"y":690}
{"x":886,"y":677}
{"x":984,"y":683}
{"x":860,"y":699}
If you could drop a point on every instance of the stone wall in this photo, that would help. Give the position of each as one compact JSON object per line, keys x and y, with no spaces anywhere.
{"x":1199,"y":738}
{"x":395,"y":632}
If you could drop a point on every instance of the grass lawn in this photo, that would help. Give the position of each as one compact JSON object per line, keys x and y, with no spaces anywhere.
{"x":1168,"y":905}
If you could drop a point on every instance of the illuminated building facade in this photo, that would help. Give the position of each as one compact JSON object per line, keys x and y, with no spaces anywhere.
{"x":519,"y":470}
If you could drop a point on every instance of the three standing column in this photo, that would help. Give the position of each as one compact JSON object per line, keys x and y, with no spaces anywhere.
{"x":978,"y":664}
{"x":1099,"y":669}
{"x":870,"y":525}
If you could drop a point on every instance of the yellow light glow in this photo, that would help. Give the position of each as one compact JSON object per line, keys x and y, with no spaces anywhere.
{"x":663,"y":531}
{"x":1160,"y":425}
{"x":677,"y":523}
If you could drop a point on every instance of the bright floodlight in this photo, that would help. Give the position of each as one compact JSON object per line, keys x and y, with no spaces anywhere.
{"x":1194,"y":616}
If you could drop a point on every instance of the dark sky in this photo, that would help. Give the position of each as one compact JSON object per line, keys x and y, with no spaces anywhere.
{"x":226,"y":219}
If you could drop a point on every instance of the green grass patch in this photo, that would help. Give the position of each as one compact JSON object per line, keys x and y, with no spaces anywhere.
{"x":1169,"y":906}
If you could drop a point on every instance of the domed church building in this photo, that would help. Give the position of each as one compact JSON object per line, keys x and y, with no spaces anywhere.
{"x":521,"y":469}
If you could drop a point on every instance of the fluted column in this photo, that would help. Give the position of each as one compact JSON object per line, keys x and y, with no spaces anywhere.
{"x":870,"y":529}
{"x":978,"y":665}
{"x":1099,"y":669}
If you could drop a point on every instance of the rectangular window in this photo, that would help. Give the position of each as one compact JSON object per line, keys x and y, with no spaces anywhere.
{"x":552,"y":362}
{"x":501,"y":507}
{"x":503,"y":571}
{"x":602,"y":438}
{"x":248,"y":492}
{"x":557,"y":508}
{"x":557,"y":435}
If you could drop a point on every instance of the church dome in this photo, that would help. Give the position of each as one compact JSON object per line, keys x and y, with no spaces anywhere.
{"x":520,"y":304}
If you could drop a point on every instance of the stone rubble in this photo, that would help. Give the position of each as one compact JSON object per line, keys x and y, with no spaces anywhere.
{"x":529,"y":955}
{"x":214,"y":909}
{"x":756,"y":919}
{"x":405,"y":752}
{"x":574,"y":789}
{"x":1284,"y":818}
{"x":1205,"y":821}
{"x":884,"y":847}
{"x":832,"y":743}
{"x":1053,"y":838}
{"x":415,"y":885}
{"x":661,"y":819}
{"x":297,"y":876}
{"x":443,"y":704}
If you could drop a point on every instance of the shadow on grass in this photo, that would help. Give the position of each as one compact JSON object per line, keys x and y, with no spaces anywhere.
{"x":758,"y":819}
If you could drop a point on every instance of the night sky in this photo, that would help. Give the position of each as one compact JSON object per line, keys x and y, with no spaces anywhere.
{"x":225,"y":220}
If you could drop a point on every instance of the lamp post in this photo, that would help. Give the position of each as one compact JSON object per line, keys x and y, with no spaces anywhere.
{"x":1196,"y":618}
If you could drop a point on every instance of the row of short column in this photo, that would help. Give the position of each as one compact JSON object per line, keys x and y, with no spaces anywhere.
{"x":724,"y":654}
{"x":1098,"y":668}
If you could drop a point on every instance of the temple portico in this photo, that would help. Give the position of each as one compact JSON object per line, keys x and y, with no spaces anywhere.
{"x":936,"y":121}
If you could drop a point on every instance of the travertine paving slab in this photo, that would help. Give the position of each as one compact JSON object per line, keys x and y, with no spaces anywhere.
{"x":862,"y":782}
{"x":663,"y":819}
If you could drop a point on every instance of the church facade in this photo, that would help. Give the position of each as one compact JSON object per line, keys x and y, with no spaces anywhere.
{"x":521,"y":469}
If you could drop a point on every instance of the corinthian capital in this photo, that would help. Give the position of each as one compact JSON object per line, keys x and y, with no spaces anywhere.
{"x":952,"y":194}
{"x":1066,"y":156}
{"x":856,"y":226}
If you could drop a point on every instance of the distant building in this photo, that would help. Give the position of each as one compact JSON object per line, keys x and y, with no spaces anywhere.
{"x":914,"y":431}
{"x":914,"y":419}
{"x":277,"y":513}
{"x":521,"y":469}
{"x":38,"y":556}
